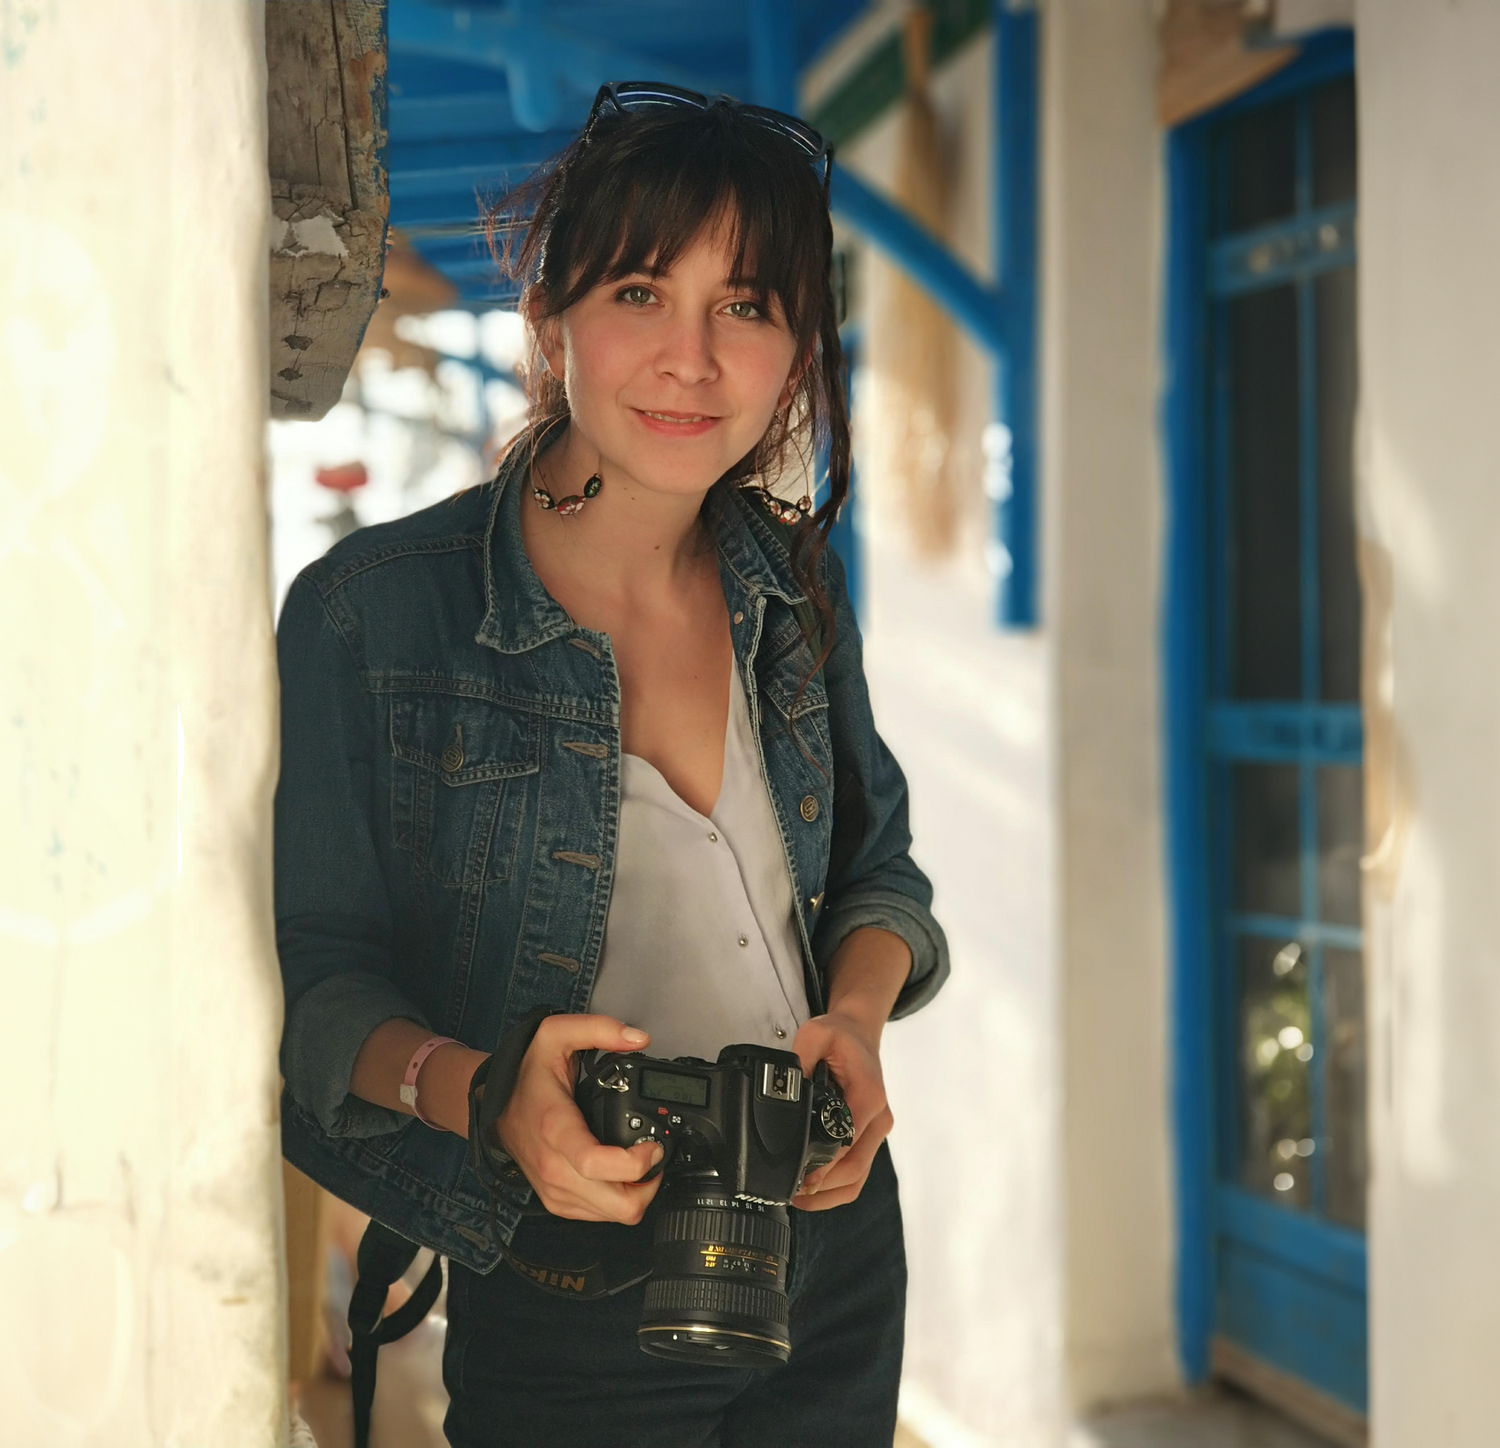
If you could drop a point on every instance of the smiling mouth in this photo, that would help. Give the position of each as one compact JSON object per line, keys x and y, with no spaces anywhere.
{"x":677,"y":417}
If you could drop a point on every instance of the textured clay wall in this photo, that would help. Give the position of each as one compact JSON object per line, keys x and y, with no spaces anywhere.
{"x":140,"y":1297}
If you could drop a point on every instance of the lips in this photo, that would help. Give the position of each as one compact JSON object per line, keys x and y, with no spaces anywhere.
{"x":676,"y":424}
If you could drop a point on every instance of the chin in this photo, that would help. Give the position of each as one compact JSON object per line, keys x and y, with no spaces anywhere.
{"x":668,"y":471}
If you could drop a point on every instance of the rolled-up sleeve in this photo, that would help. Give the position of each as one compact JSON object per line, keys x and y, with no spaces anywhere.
{"x":333,"y":919}
{"x":872,"y":879}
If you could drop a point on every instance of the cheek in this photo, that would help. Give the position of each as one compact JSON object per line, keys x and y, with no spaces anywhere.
{"x":597,"y":362}
{"x":765,"y":372}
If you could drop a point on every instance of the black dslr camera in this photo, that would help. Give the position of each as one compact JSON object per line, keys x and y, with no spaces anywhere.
{"x":739,"y":1135}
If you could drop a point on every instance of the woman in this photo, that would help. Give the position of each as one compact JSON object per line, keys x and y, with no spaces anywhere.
{"x":596,"y":737}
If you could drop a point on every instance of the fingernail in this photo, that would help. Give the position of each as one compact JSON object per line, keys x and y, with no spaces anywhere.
{"x":657,"y":1152}
{"x":635,"y":1037}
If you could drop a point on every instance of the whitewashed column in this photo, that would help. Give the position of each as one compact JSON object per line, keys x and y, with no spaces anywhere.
{"x":1429,"y":114}
{"x":140,"y":1283}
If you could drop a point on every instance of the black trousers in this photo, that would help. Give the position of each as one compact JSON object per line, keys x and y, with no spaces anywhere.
{"x":528,"y":1369}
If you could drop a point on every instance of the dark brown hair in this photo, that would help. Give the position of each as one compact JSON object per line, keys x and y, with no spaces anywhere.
{"x":631,"y":195}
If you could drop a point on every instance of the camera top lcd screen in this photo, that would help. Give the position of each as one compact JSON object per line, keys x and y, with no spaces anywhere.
{"x":669,"y":1086}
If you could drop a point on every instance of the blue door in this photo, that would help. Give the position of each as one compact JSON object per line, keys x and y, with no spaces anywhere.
{"x":1265,"y":738}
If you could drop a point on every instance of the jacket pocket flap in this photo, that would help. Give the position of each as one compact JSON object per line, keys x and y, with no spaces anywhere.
{"x":464,"y":740}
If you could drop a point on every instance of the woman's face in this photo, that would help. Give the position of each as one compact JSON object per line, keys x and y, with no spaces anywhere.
{"x":672,"y":378}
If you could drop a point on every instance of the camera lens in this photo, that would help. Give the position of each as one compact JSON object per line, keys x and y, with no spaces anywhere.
{"x":717,"y":1292}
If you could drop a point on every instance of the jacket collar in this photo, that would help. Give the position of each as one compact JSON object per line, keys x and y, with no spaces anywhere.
{"x":520,"y":614}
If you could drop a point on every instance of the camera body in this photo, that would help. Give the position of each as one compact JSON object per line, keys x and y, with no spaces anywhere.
{"x":751,"y":1116}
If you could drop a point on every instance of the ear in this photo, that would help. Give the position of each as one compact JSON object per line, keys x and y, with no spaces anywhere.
{"x":548,"y":334}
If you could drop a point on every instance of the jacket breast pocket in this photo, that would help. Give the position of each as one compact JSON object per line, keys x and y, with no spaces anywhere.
{"x":459,"y":774}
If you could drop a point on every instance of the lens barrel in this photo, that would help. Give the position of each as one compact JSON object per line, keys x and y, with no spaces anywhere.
{"x":717,"y":1292}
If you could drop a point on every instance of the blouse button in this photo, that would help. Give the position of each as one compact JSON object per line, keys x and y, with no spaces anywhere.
{"x":713,"y":837}
{"x":809,"y":808}
{"x":780,"y":1034}
{"x":744,"y":940}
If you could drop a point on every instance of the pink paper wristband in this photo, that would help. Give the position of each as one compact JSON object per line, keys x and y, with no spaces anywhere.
{"x":413,"y":1067}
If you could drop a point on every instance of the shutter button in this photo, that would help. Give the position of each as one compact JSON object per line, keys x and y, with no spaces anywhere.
{"x":809,"y":808}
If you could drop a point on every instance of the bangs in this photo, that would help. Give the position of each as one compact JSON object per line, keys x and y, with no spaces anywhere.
{"x":642,"y":191}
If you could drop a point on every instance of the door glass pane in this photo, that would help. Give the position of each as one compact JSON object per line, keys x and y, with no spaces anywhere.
{"x":1345,"y":1158}
{"x":1265,"y":518}
{"x":1333,"y":143}
{"x":1261,"y":151}
{"x":1275,"y":1028}
{"x":1341,"y":841}
{"x":1338,"y":603}
{"x":1267,"y":857}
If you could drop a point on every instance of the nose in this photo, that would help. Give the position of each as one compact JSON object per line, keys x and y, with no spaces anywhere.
{"x":687,"y":351}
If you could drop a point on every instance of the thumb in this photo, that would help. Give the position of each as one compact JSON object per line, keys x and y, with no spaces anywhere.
{"x":566,"y":1034}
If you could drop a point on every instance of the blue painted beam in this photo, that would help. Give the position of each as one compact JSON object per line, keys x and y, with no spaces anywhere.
{"x":431,"y":168}
{"x":450,"y":211}
{"x":974,"y":305}
{"x":453,"y":117}
{"x":551,"y":73}
{"x":1014,"y":195}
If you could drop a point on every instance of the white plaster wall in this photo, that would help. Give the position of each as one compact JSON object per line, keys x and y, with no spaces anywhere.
{"x":140,"y":1297}
{"x":973,"y":1078}
{"x":1101,"y":262}
{"x":1429,"y":319}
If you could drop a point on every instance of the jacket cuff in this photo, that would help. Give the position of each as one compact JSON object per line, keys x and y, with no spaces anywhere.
{"x":324,"y":1032}
{"x":902,"y":916}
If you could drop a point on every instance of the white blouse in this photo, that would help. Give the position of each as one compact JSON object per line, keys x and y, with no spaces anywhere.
{"x":700,"y":946}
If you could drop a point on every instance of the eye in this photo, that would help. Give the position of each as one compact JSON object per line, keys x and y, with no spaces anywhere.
{"x":635,"y":295}
{"x":743,"y":310}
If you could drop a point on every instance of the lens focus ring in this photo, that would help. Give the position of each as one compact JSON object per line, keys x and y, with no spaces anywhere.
{"x":665,"y":1295}
{"x":732,"y":1229}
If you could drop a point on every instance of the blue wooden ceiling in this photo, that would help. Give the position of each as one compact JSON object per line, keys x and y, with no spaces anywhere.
{"x":479,"y":94}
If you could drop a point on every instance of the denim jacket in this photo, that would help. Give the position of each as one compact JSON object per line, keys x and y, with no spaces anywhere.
{"x":448,"y":810}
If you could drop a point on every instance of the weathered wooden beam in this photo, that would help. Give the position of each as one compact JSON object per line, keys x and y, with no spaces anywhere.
{"x":326,"y":63}
{"x":1204,"y":57}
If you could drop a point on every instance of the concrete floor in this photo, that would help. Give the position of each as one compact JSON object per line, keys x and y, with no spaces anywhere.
{"x":1216,"y":1419}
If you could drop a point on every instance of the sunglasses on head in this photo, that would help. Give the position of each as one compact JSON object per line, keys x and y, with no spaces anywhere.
{"x":637,"y":97}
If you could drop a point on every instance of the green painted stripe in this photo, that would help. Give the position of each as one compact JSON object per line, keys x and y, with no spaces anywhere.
{"x":879,"y":81}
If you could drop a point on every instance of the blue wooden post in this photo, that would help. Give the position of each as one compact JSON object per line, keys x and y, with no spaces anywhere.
{"x":1014,"y":194}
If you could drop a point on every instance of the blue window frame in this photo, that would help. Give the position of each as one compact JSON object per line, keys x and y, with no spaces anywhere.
{"x":1264,"y":739}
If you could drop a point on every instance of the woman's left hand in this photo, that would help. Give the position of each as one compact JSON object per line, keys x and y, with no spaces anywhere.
{"x":853,"y":1055}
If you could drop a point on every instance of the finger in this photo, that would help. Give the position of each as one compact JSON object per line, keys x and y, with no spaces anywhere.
{"x":617,"y":1163}
{"x":602,"y":1201}
{"x":815,"y":1179}
{"x":837,"y":1197}
{"x":563,"y":1035}
{"x":855,"y":1165}
{"x":566,"y":1135}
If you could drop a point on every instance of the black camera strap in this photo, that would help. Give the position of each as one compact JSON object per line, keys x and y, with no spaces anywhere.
{"x":384,"y":1256}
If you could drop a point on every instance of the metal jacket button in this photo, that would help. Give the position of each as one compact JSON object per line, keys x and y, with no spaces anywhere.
{"x":809,"y":808}
{"x":452,"y":758}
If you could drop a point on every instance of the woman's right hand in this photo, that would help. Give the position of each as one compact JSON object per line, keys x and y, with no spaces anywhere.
{"x":544,"y":1132}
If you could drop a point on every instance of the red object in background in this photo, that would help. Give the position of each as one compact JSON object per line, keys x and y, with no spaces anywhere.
{"x":344,"y":478}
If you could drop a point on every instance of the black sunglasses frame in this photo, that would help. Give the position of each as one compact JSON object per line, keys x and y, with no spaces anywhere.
{"x":634,"y":97}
